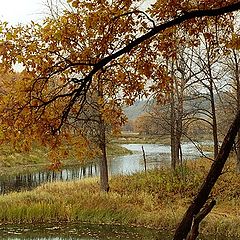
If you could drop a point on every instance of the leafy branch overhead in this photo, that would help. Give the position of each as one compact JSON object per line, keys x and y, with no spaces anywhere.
{"x":111,"y":42}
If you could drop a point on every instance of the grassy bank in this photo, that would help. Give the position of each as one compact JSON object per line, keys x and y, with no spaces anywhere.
{"x":131,"y":137}
{"x":114,"y":149}
{"x":156,"y":199}
{"x":12,"y":162}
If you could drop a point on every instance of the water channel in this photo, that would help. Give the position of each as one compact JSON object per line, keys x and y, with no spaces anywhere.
{"x":156,"y":155}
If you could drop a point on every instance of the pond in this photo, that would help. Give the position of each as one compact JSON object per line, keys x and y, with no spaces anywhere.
{"x":80,"y":232}
{"x":87,"y":232}
{"x":157,"y":155}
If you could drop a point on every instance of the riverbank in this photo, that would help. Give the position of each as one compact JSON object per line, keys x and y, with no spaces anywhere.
{"x":131,"y":138}
{"x":12,"y":162}
{"x":155,"y":199}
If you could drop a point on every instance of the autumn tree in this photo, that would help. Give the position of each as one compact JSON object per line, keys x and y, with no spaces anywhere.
{"x":63,"y":57}
{"x":236,"y":89}
{"x":72,"y":55}
{"x":152,"y":122}
{"x":100,"y":117}
{"x":230,"y":98}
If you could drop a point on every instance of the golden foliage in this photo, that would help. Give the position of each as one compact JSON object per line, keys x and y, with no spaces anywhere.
{"x":68,"y":60}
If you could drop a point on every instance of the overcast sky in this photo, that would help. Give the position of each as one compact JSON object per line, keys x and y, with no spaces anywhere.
{"x":21,"y":11}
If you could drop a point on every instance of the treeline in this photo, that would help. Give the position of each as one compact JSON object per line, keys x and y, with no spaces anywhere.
{"x":205,"y":93}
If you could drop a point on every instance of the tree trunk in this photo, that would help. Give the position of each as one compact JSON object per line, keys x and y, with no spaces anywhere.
{"x":193,"y":234}
{"x":236,"y":62}
{"x":216,"y":169}
{"x":173,"y":133}
{"x":212,"y":101}
{"x":179,"y":124}
{"x":103,"y":159}
{"x":238,"y":152}
{"x":214,"y":122}
{"x":103,"y":164}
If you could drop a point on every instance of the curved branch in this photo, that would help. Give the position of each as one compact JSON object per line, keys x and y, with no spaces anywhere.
{"x":160,"y":28}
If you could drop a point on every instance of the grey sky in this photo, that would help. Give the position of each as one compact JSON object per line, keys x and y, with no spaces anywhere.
{"x":21,"y":11}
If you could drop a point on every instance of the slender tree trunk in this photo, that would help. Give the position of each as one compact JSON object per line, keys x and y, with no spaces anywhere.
{"x":173,"y":133}
{"x":214,"y":122}
{"x":176,"y":133}
{"x":177,"y":96}
{"x":104,"y":185}
{"x":214,"y":173}
{"x":238,"y":152}
{"x":144,"y":159}
{"x":179,"y":125}
{"x":236,"y":62}
{"x":178,"y":136}
{"x":103,"y":164}
{"x":212,"y":100}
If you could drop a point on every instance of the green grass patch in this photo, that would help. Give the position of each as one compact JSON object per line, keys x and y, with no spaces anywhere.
{"x":129,"y":137}
{"x":13,"y":162}
{"x":116,"y":149}
{"x":9,"y":157}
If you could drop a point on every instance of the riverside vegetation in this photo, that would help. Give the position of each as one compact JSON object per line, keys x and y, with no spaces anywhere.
{"x":156,"y":199}
{"x":37,"y":159}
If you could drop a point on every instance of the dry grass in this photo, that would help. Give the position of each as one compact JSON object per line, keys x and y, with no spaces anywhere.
{"x":155,"y":199}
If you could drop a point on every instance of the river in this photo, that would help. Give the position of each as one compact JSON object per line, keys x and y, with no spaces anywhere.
{"x":157,"y":155}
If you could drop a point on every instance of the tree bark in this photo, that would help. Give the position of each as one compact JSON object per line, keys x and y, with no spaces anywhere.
{"x":214,"y":121}
{"x":104,"y":185}
{"x":214,"y":173}
{"x":193,"y":234}
{"x":179,"y":120}
{"x":144,"y":159}
{"x":212,"y":99}
{"x":103,"y":164}
{"x":238,"y":152}
{"x":173,"y":133}
{"x":237,"y":78}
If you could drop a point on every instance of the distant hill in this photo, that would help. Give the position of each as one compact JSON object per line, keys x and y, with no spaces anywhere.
{"x":191,"y":104}
{"x":137,"y":109}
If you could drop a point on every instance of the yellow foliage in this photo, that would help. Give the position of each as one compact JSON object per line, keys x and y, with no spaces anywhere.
{"x":69,"y":87}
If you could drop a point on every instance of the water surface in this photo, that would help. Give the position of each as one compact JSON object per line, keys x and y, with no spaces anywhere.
{"x":157,"y":155}
{"x":80,"y":232}
{"x":88,"y":232}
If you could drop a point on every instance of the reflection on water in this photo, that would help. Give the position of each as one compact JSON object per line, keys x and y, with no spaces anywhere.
{"x":31,"y":180}
{"x":157,"y":155}
{"x":80,"y":232}
{"x":88,"y":232}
